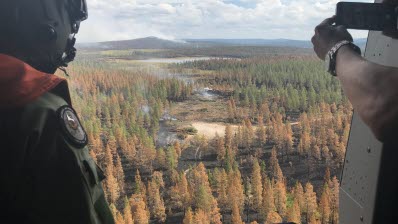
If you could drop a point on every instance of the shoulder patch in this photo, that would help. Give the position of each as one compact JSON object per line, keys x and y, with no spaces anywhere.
{"x":71,"y":127}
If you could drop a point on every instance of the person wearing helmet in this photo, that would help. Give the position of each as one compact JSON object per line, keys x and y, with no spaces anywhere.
{"x":46,"y":172}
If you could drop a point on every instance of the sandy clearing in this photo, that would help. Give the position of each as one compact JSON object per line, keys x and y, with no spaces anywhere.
{"x":211,"y":129}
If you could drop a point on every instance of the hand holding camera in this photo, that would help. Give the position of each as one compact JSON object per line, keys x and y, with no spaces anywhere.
{"x":361,"y":16}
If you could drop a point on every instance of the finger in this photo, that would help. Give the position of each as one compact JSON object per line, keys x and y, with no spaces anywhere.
{"x":313,"y":40}
{"x":341,"y":28}
{"x":323,"y":25}
{"x":320,"y":56}
{"x":328,"y":21}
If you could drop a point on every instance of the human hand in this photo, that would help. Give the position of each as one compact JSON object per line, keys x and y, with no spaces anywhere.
{"x":328,"y":35}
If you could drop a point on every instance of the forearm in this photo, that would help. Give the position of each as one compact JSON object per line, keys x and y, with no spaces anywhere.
{"x":372,"y":89}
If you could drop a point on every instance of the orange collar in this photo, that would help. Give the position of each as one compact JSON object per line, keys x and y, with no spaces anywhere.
{"x":21,"y":84}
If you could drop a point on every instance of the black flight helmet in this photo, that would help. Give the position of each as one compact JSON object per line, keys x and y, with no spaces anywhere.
{"x":41,"y":32}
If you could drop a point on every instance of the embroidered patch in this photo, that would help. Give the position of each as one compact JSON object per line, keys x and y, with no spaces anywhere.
{"x":72,"y":127}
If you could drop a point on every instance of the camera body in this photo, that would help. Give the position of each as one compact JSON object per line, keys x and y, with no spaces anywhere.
{"x":367,"y":16}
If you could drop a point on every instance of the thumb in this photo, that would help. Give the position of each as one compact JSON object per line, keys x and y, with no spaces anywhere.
{"x":325,"y":23}
{"x":328,"y":21}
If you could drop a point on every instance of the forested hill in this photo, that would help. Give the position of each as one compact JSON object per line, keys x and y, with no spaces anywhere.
{"x":262,"y":42}
{"x":157,"y":43}
{"x":253,"y":42}
{"x":141,"y":43}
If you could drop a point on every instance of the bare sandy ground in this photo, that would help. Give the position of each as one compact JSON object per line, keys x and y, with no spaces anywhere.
{"x":211,"y":129}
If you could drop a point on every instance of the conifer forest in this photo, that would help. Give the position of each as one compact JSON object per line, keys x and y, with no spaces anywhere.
{"x":226,"y":135}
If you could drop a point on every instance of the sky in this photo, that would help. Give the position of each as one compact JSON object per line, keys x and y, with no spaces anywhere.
{"x":199,"y":19}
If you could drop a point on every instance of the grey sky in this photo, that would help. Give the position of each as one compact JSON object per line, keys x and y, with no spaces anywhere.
{"x":180,"y":19}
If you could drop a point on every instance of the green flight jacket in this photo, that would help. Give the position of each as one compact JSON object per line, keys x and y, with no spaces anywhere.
{"x":45,"y":178}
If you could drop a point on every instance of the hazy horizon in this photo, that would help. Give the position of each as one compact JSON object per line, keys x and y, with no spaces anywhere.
{"x":356,"y":37}
{"x":205,"y":19}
